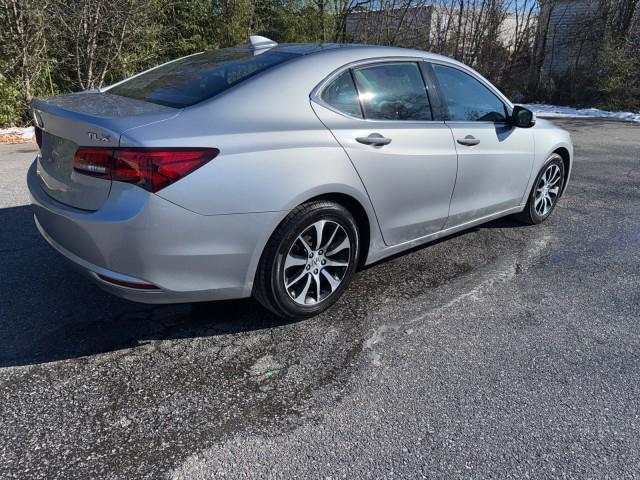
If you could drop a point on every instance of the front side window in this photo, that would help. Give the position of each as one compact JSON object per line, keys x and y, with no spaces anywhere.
{"x":466,"y":98}
{"x":198,"y":77}
{"x":342,"y":95}
{"x":394,"y":91}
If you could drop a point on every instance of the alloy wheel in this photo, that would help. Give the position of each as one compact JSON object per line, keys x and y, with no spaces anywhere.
{"x":317,"y":262}
{"x":547,"y":190}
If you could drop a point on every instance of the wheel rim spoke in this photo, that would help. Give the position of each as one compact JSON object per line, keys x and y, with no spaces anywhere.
{"x":303,"y":294}
{"x":538,"y":205}
{"x":316,"y":279}
{"x":296,"y":280}
{"x":333,"y":283}
{"x":344,"y":244}
{"x":333,"y":235}
{"x":304,"y":244}
{"x":294,"y":261}
{"x":336,"y":263}
{"x":319,"y":229}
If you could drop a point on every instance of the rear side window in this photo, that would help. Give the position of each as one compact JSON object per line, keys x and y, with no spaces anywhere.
{"x":196,"y":78}
{"x":467,"y":99}
{"x":394,"y":91}
{"x":341,"y":94}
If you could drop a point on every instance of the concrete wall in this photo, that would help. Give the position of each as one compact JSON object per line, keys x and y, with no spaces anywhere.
{"x":408,"y":27}
{"x":412,"y":27}
{"x":571,"y":36}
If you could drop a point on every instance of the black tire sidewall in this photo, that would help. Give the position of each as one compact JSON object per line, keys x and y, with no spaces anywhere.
{"x":327,"y":211}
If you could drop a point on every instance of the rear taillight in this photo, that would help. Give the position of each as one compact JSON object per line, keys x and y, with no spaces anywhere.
{"x":150,"y":168}
{"x":93,"y":161}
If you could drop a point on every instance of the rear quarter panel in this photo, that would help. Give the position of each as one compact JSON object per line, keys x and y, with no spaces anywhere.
{"x":274,"y":152}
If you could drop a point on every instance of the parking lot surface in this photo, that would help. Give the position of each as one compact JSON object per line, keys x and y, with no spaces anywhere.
{"x":505,"y":352}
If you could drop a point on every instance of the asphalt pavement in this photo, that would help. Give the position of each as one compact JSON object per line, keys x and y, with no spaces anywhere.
{"x":502,"y":352}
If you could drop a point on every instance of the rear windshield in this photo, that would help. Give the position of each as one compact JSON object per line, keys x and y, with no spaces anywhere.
{"x":196,"y":78}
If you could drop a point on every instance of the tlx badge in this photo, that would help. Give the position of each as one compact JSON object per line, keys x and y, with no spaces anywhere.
{"x":99,"y":137}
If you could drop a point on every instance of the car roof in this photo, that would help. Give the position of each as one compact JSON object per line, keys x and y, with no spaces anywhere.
{"x":308,"y":48}
{"x":305,"y":49}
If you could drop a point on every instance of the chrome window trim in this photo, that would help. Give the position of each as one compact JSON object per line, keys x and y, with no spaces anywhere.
{"x":476,"y":122}
{"x":316,"y":92}
{"x":507,"y":103}
{"x":315,"y":97}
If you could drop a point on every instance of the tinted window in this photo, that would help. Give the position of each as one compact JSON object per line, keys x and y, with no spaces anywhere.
{"x":193,"y":79}
{"x":341,"y":94}
{"x":393,"y":92}
{"x":467,"y":98}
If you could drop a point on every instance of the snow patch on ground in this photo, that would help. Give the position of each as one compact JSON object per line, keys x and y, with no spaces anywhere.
{"x":543,"y":110}
{"x":17,"y":135}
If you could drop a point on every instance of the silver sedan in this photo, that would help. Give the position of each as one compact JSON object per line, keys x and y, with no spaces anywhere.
{"x":277,"y":170}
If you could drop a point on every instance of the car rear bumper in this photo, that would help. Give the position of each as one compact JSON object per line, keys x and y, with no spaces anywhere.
{"x":139,"y":238}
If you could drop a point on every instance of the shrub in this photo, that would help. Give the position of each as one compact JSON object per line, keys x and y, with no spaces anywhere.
{"x":618,"y":81}
{"x":12,"y":106}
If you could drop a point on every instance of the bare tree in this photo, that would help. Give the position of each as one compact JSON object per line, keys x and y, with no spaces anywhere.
{"x":22,"y":35}
{"x":97,"y":32}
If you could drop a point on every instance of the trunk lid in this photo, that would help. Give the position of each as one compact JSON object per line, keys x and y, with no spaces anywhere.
{"x":87,"y":119}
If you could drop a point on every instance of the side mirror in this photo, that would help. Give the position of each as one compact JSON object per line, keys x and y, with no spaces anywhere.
{"x":522,"y":117}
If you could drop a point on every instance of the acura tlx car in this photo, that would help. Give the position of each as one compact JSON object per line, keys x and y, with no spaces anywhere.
{"x":277,"y":170}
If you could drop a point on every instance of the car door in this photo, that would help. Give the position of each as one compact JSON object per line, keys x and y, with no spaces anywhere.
{"x":381,"y":115}
{"x":494,"y":158}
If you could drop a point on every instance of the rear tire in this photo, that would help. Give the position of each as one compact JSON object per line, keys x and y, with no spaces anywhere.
{"x":545,"y":193}
{"x":309,"y":260}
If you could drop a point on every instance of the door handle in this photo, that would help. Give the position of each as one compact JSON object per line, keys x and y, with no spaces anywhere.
{"x":468,"y":141}
{"x":375,"y":139}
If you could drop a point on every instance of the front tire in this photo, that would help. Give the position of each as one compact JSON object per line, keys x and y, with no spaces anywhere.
{"x":545,"y":192}
{"x":309,"y":260}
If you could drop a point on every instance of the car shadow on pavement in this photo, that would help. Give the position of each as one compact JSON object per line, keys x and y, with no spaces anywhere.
{"x":49,"y":312}
{"x":505,"y":222}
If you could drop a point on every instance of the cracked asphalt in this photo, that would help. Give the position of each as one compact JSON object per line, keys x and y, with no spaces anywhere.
{"x":502,"y":352}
